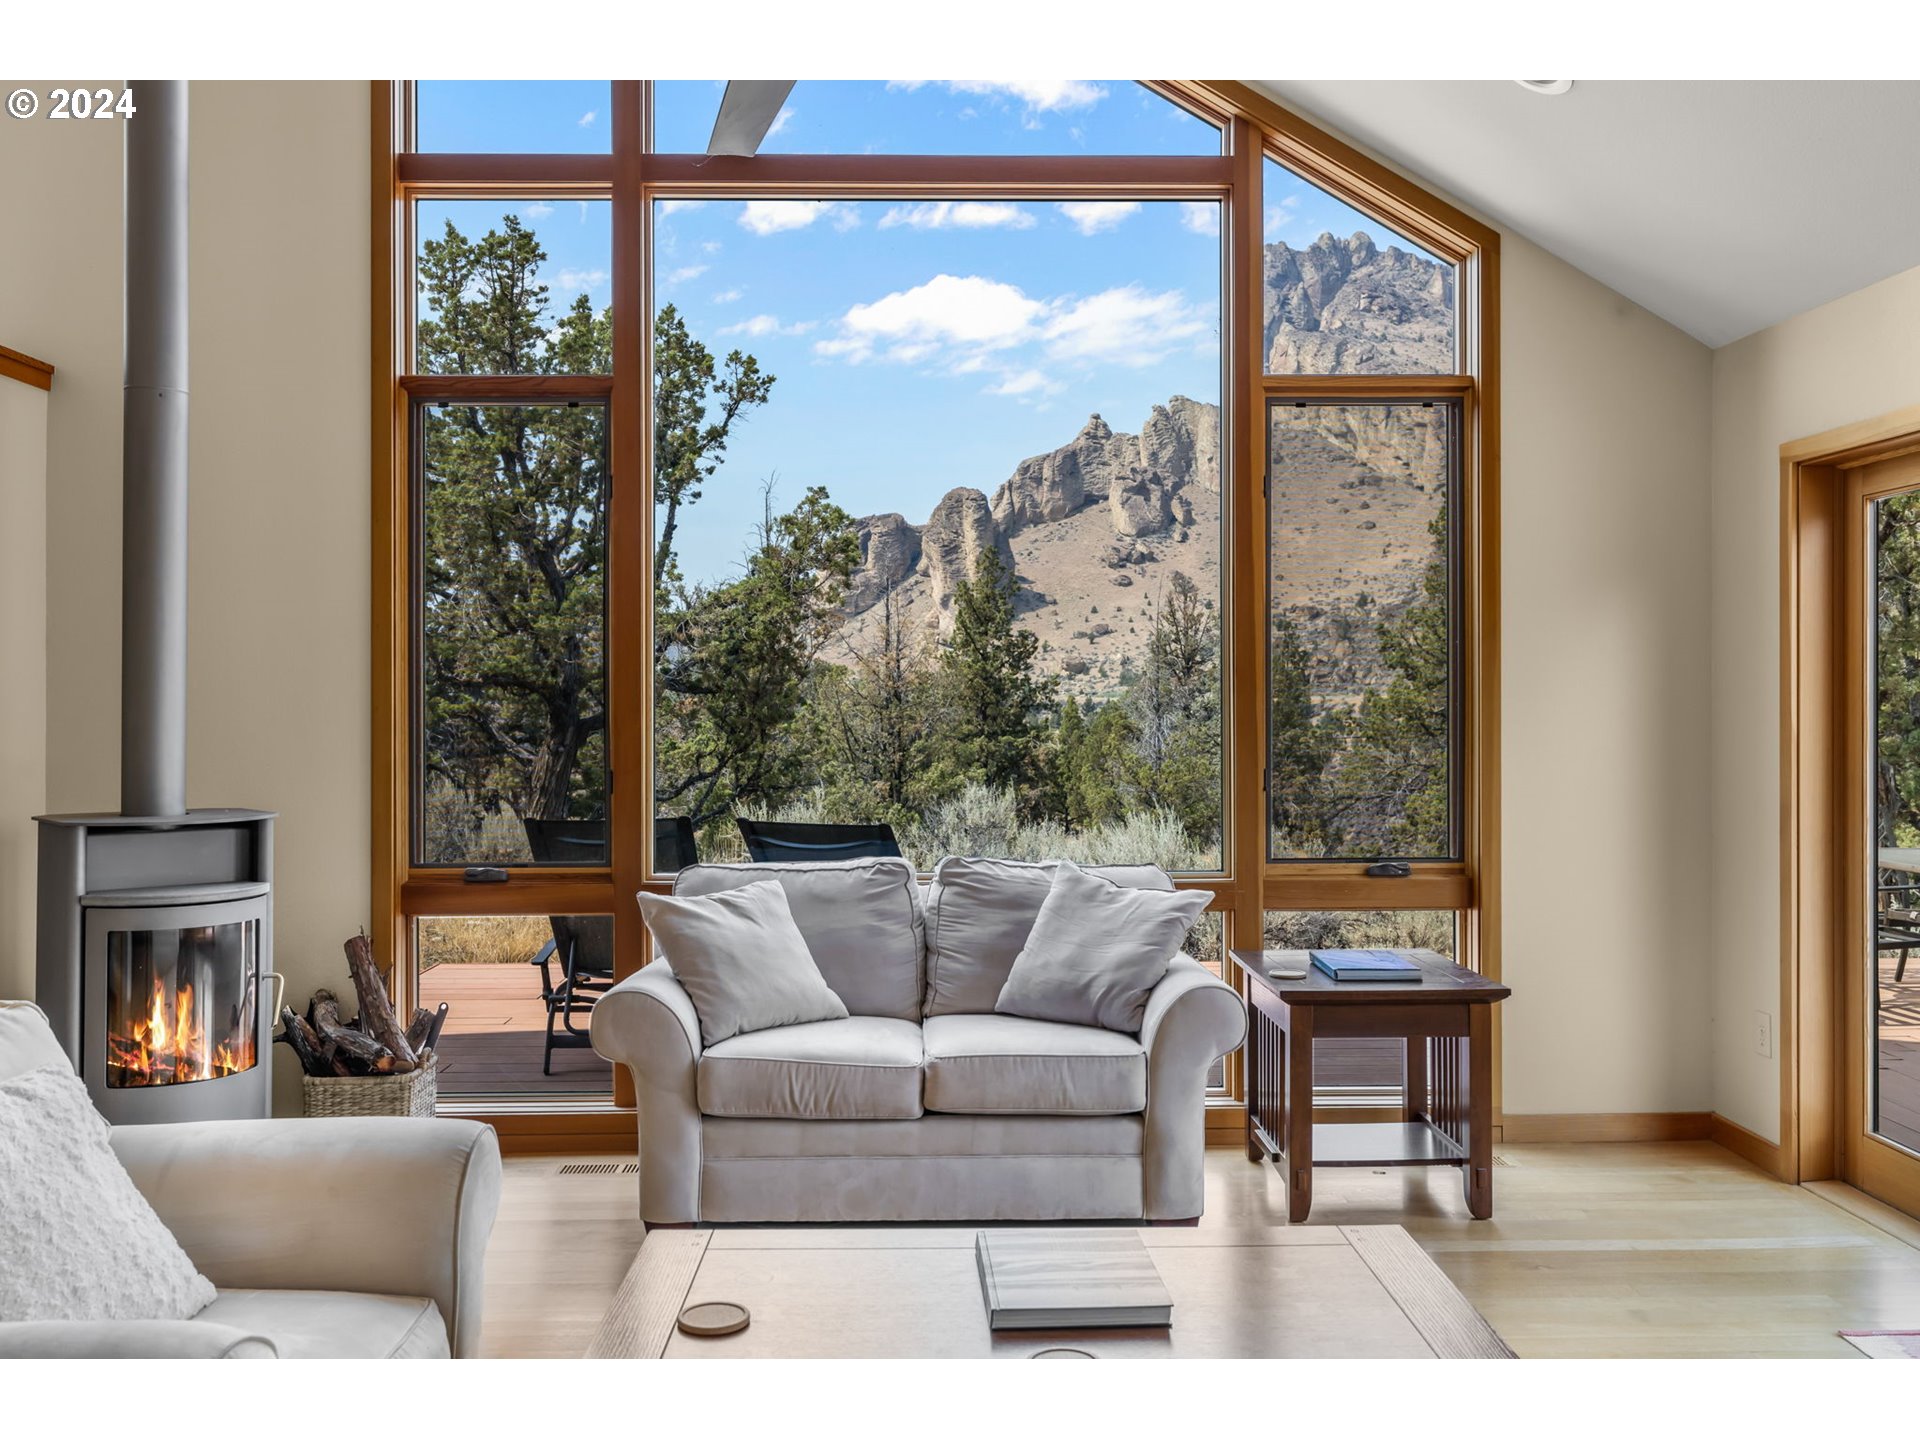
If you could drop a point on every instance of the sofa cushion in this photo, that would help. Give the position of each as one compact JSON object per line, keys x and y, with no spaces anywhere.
{"x":861,"y":920}
{"x":26,"y":1040}
{"x":1097,"y":950}
{"x":741,"y":960}
{"x":335,"y":1324}
{"x":866,"y":1067}
{"x":979,"y":914}
{"x":1008,"y":1065}
{"x":78,"y":1241}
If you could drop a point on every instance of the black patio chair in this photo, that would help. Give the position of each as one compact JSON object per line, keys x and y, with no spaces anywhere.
{"x":1898,"y":924}
{"x":674,"y":847}
{"x":772,"y":841}
{"x":582,"y":944}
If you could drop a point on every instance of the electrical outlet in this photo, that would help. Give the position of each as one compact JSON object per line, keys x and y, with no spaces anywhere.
{"x":1763,"y":1033}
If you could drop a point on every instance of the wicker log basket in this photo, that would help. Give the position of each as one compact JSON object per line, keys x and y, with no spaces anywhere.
{"x":412,"y":1094}
{"x":371,"y":1064}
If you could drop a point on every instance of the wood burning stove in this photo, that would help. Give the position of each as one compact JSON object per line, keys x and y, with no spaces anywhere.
{"x":155,"y":945}
{"x":155,"y":929}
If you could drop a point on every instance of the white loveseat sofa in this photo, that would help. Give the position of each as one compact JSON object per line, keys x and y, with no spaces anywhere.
{"x":327,"y":1239}
{"x":923,"y":1104}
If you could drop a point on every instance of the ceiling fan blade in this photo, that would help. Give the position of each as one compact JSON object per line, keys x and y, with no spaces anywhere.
{"x":747,"y":112}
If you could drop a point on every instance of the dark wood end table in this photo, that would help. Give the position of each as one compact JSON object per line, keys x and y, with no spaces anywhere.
{"x":1446,"y":1019}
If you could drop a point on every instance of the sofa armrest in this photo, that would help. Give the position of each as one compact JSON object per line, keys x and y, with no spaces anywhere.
{"x":1192,"y":1019}
{"x":647,"y":1023}
{"x":385,"y":1206}
{"x":130,"y":1340}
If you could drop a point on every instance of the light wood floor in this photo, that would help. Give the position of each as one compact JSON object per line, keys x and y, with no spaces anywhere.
{"x":1594,"y":1250}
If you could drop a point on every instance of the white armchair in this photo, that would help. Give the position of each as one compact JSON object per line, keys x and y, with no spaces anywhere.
{"x":347,"y":1239}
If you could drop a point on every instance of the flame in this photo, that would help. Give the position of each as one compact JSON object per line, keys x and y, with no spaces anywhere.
{"x":169,"y":1046}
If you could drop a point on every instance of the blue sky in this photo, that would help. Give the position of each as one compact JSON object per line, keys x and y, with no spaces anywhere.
{"x":918,"y":345}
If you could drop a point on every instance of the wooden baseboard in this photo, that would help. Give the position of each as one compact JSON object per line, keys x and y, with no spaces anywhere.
{"x":1604,"y":1128}
{"x":1761,"y":1153}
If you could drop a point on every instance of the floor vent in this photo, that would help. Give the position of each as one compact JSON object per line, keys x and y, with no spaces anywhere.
{"x":1501,"y":1160}
{"x":607,"y":1168}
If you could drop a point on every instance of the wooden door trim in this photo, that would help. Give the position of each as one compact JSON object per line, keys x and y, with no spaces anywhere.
{"x":1820,"y":679}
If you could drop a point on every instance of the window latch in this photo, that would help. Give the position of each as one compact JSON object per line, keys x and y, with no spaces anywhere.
{"x":1390,"y":869}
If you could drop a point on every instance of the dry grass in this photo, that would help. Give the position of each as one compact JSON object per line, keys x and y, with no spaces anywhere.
{"x":482,"y":940}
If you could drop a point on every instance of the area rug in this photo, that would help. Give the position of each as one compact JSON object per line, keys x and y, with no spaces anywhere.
{"x":1885,"y":1344}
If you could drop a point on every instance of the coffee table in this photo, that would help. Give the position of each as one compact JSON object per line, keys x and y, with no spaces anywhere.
{"x":1446,"y":1021}
{"x":912,"y":1293}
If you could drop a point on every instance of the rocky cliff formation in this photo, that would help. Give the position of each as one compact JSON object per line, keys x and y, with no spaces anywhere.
{"x":1097,"y":528}
{"x":1347,"y":307}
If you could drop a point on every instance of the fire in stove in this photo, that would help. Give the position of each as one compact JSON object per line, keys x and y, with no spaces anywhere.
{"x":170,"y":1044}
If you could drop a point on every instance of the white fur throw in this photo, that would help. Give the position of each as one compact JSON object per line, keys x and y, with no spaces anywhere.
{"x":81,"y":1243}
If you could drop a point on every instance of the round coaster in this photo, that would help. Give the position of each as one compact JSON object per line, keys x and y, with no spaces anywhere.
{"x":714,"y":1317}
{"x":1061,"y":1352}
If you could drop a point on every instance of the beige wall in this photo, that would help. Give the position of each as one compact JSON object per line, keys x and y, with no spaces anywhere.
{"x":280,"y":611}
{"x":1605,"y":702}
{"x":1849,"y":360}
{"x":1605,"y":525}
{"x":23,"y":668}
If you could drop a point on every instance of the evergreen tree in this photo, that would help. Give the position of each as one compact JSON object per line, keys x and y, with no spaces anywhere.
{"x":1392,"y":790}
{"x":1897,"y":670}
{"x":732,"y":673}
{"x":1175,"y":708}
{"x":1300,"y":747}
{"x":875,"y":723}
{"x":994,"y":698}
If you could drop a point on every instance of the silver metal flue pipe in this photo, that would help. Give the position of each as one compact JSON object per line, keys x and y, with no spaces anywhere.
{"x":153,"y":603}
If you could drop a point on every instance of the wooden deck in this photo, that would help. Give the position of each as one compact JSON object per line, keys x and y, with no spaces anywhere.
{"x":495,"y":1032}
{"x":1899,"y":1053}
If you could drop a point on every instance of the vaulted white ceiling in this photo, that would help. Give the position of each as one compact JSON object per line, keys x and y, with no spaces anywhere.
{"x":1722,"y":206}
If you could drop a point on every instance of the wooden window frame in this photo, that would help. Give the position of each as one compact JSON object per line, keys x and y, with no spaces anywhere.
{"x":1254,"y":128}
{"x":1824,"y":724}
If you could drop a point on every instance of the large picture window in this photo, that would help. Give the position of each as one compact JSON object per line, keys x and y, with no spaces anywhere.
{"x":1084,"y":468}
{"x":938,"y":523}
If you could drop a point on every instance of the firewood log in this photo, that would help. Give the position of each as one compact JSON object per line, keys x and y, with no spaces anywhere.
{"x":361,"y":1052}
{"x":376,"y":1009}
{"x":417,"y":1030}
{"x":298,"y":1037}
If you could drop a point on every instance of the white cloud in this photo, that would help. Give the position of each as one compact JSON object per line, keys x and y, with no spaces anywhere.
{"x":1123,"y":326}
{"x":588,"y":118}
{"x":727,"y":297}
{"x":581,"y":279}
{"x":535,"y":210}
{"x":685,"y":273}
{"x":1034,"y":94}
{"x":967,"y":313}
{"x":1281,"y":215}
{"x":673,"y":207}
{"x":958,"y":215}
{"x":1200,"y":216}
{"x":1026,"y":382}
{"x":780,"y":121}
{"x":1091,"y":217}
{"x":763,"y":325}
{"x":770,"y":217}
{"x":971,"y":325}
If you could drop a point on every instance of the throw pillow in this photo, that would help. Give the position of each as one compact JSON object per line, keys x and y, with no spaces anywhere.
{"x":1096,"y":949}
{"x":81,"y":1241}
{"x":741,"y":958}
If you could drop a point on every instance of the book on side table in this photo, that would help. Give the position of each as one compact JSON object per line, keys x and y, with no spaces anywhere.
{"x":1063,"y":1280}
{"x":1365,"y":965}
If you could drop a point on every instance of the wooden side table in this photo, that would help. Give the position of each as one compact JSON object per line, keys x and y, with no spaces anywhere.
{"x":1446,"y":1019}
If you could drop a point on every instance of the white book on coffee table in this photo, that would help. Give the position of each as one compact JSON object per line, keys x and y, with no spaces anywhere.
{"x":1069,"y":1280}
